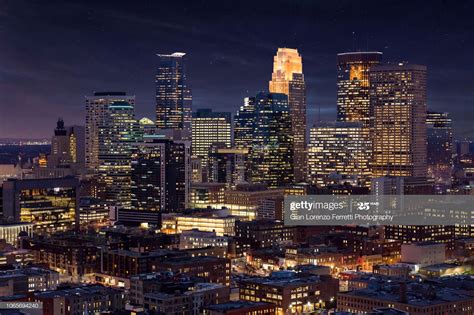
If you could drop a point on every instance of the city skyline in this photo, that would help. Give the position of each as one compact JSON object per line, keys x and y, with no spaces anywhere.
{"x":236,"y":158}
{"x":221,"y":76}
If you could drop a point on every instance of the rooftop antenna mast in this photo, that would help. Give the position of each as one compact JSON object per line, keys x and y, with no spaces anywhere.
{"x":353,"y":40}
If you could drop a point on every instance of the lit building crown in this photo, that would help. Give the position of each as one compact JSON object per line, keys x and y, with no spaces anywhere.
{"x":286,"y":62}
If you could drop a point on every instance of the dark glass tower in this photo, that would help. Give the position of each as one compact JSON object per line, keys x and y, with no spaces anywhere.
{"x":244,"y":122}
{"x":173,"y":96}
{"x":440,"y":143}
{"x":272,"y":144}
{"x":160,"y":176}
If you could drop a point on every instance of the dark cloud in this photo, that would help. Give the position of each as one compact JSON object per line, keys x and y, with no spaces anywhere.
{"x":55,"y":52}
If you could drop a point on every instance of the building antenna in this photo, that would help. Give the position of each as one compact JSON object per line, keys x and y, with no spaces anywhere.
{"x":319,"y":114}
{"x":353,"y":40}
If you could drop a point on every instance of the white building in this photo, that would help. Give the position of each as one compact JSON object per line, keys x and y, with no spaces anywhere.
{"x":424,"y":253}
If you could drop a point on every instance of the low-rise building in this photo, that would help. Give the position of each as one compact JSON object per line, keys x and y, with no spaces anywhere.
{"x":24,"y":280}
{"x":263,"y":233}
{"x":212,"y":269}
{"x":208,"y":221}
{"x":194,"y":239}
{"x":290,"y":292}
{"x":240,"y":308}
{"x":71,"y":257}
{"x":10,"y":231}
{"x":396,"y":270}
{"x":424,"y":253}
{"x":93,"y":211}
{"x":442,"y":270}
{"x":86,"y":299}
{"x":415,"y":298}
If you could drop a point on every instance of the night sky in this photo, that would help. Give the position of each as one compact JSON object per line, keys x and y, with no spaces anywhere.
{"x":53,"y":53}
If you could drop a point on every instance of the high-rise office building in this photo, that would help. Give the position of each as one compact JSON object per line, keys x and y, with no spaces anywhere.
{"x":398,"y":129}
{"x":118,"y":130}
{"x":340,"y":150}
{"x":272,"y":145}
{"x":160,"y":175}
{"x":209,"y":128}
{"x":173,"y":95}
{"x":288,"y":78}
{"x":244,"y":123}
{"x":353,"y":98}
{"x":440,"y":147}
{"x":96,"y":109}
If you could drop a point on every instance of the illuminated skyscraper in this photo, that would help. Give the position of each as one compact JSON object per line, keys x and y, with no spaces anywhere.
{"x":339,"y":150}
{"x":160,"y":175}
{"x":173,"y":95}
{"x":440,"y":147}
{"x":210,"y":128}
{"x":244,"y":123}
{"x":96,"y":109}
{"x":398,"y":130}
{"x":288,"y":78}
{"x":353,"y":99}
{"x":117,"y":132}
{"x":272,"y":146}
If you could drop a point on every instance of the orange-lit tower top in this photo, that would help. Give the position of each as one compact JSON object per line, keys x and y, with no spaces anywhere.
{"x":286,"y":62}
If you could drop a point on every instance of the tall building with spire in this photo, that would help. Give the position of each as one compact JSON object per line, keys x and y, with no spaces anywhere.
{"x":288,"y":78}
{"x":173,"y":95}
{"x":353,"y":97}
{"x":398,"y":129}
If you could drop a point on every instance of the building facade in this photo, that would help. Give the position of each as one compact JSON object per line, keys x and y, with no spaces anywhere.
{"x":339,"y":149}
{"x":398,"y":108}
{"x":49,"y":204}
